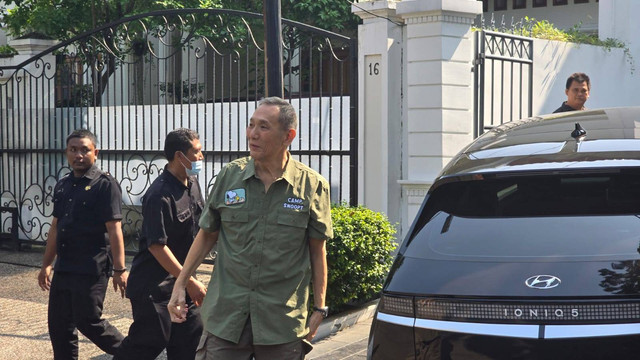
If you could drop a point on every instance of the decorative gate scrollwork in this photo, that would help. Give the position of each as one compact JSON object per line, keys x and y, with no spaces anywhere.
{"x":134,"y":80}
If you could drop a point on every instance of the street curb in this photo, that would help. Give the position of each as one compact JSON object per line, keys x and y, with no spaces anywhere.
{"x":333,"y":324}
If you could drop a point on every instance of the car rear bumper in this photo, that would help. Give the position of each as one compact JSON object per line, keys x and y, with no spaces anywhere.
{"x":527,"y":331}
{"x":397,"y":337}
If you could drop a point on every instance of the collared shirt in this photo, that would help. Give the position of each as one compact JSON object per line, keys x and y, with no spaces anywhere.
{"x":564,"y":108}
{"x":83,"y":206}
{"x":170,"y":213}
{"x":263,"y":267}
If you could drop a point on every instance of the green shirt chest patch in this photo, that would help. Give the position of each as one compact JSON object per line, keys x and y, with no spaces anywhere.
{"x":236,"y":196}
{"x":293,"y":203}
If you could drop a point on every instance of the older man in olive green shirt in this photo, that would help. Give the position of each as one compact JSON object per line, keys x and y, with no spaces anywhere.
{"x":270,"y":216}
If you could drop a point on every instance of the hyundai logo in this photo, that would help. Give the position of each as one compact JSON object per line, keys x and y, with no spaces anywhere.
{"x":542,"y":282}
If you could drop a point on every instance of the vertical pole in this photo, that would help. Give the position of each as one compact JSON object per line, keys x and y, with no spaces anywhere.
{"x":481,"y":85}
{"x":531,"y":80}
{"x":476,"y":85}
{"x":353,"y":126}
{"x":273,"y":45}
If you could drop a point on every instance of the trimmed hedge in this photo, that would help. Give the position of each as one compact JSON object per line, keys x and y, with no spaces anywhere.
{"x":359,"y":255}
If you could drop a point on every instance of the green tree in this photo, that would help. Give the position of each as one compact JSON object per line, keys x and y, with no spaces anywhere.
{"x":65,"y":19}
{"x":333,"y":15}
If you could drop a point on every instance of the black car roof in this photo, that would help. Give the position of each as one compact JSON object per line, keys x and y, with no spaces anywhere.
{"x":544,"y":143}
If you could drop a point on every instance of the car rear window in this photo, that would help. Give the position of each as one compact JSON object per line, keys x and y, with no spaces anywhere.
{"x":562,"y":215}
{"x":522,"y":196}
{"x":597,"y":237}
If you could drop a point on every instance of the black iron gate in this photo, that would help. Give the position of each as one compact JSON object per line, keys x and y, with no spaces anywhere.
{"x":133,"y":80}
{"x":503,"y":79}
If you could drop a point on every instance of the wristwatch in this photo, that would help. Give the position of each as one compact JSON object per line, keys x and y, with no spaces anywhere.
{"x":322,"y":310}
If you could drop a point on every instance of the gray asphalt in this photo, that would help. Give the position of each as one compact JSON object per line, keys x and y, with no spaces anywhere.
{"x":23,"y":316}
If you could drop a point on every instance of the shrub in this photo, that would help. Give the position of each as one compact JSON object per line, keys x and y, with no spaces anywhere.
{"x":7,"y":51}
{"x":358,"y":256}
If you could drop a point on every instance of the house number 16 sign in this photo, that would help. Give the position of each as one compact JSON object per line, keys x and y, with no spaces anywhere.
{"x":374,"y":68}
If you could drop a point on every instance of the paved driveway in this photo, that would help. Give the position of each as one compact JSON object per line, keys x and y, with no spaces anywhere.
{"x":23,"y":317}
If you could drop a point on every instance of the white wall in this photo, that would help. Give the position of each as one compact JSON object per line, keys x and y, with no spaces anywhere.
{"x":612,"y":72}
{"x":613,"y":80}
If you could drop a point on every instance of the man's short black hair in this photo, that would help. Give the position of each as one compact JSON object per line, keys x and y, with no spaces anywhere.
{"x":83,"y":133}
{"x":580,"y":78}
{"x":179,"y":140}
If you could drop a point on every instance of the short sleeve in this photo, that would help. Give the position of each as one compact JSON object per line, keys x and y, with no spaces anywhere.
{"x":110,"y":200}
{"x":156,"y":213}
{"x":210,"y":218}
{"x":320,"y":226}
{"x":57,"y":195}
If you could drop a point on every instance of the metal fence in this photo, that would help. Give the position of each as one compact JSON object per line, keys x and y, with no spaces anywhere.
{"x":134,"y":80}
{"x":503,"y":79}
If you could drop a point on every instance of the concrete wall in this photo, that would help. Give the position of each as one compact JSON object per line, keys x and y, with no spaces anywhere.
{"x":612,"y":72}
{"x":613,"y":79}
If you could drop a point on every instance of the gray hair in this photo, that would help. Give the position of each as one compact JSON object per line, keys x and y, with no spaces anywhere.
{"x":288,"y":117}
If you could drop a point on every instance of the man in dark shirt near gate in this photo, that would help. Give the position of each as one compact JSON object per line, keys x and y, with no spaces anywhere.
{"x":171,"y":209}
{"x":87,"y":209}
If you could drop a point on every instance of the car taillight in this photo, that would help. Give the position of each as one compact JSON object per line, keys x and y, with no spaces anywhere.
{"x":397,"y":305}
{"x":438,"y":309}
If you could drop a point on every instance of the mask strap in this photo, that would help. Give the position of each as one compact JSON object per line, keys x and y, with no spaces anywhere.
{"x":184,"y":156}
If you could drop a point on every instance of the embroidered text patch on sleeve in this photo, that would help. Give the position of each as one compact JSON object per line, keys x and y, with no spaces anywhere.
{"x":236,"y":196}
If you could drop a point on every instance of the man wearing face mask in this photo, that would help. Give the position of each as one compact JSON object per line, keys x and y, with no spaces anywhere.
{"x":171,"y":208}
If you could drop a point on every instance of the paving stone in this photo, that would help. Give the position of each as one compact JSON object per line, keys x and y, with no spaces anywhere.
{"x":24,"y":333}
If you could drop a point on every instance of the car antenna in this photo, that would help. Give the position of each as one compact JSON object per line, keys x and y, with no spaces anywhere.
{"x":578,"y":131}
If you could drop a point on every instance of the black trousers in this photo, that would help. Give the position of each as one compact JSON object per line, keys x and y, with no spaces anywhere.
{"x":152,"y":331}
{"x":75,"y":303}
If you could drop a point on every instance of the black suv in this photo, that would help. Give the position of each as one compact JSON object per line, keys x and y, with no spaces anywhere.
{"x":527,"y":246}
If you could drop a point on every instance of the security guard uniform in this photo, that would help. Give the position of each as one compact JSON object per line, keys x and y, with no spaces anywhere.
{"x":564,"y":108}
{"x":82,"y":206}
{"x":170,"y":212}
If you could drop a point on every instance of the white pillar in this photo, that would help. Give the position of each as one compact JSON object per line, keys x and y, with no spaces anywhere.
{"x":439,"y":91}
{"x":41,"y":70}
{"x":380,"y":103}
